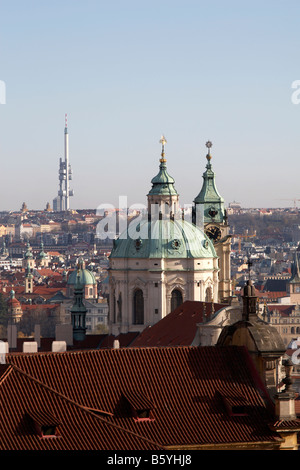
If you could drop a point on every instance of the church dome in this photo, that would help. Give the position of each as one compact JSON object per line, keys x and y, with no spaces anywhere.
{"x":163,"y":238}
{"x":42,"y":254}
{"x":12,"y":301}
{"x":84,"y":276}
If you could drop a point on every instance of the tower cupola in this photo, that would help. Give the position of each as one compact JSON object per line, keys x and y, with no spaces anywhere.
{"x":209,"y":204}
{"x":163,"y":197}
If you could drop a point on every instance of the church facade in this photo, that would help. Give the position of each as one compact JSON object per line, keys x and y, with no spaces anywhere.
{"x":162,"y":260}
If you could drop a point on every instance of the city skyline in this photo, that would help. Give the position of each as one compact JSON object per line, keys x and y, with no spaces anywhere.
{"x":125,"y":75}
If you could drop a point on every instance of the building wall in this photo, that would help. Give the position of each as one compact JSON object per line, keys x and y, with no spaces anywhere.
{"x":288,"y":326}
{"x":157,"y":278}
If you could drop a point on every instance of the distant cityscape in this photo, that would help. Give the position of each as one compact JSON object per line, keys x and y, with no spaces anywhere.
{"x":75,"y":288}
{"x":68,"y":237}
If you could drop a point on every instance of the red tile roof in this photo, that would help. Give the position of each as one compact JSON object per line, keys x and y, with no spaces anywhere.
{"x":179,"y":327}
{"x":185,"y":386}
{"x":43,"y":291}
{"x":284,"y":310}
{"x":27,"y":404}
{"x":271,"y":295}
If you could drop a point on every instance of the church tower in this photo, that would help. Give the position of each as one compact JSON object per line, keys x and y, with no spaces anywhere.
{"x":28,"y":280}
{"x":209,"y":213}
{"x":159,"y":261}
{"x":28,"y":258}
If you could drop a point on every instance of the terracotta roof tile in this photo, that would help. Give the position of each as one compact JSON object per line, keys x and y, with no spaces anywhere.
{"x":182,"y":383}
{"x":178,"y":328}
{"x":78,"y":428}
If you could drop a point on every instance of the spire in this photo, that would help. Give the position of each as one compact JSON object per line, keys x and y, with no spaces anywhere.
{"x":209,"y":198}
{"x":295,"y":268}
{"x":163,"y":183}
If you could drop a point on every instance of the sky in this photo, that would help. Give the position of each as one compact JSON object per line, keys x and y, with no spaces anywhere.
{"x":126,"y":72}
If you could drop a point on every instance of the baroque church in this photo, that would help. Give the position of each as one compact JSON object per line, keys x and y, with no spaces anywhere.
{"x":165,"y":259}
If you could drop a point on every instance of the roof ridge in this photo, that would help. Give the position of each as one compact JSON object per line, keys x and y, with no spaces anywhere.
{"x":5,"y":374}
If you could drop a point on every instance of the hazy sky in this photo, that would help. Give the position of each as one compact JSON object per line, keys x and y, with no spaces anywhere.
{"x":126,"y":72}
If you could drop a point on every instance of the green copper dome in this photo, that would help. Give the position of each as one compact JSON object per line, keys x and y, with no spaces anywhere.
{"x":83,"y":276}
{"x":42,"y":253}
{"x":163,"y":239}
{"x":163,"y":183}
{"x":209,"y":192}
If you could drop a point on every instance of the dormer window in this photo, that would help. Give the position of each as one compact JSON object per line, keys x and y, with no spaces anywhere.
{"x":45,"y":423}
{"x":141,"y":406}
{"x":235,"y":406}
{"x":49,"y":430}
{"x":142,"y":415}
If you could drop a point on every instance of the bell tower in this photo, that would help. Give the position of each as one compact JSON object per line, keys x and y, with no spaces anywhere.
{"x":209,"y":213}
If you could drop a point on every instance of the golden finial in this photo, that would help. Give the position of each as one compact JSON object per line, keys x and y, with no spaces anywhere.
{"x":163,"y":142}
{"x":209,"y":146}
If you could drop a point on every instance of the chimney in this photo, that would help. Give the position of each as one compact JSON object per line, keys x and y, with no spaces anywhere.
{"x":37,"y":335}
{"x":59,"y":346}
{"x":30,"y":347}
{"x":3,"y":351}
{"x":12,"y":336}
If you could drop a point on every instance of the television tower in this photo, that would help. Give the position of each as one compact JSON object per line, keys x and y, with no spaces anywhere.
{"x":65,"y":175}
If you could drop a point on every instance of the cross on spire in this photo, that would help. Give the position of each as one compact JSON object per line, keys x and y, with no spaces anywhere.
{"x":163,"y":142}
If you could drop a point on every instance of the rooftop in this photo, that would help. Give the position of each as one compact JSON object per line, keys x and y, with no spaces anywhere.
{"x":189,"y":394}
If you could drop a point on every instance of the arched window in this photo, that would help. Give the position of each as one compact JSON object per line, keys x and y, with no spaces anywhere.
{"x":176,"y":299}
{"x":138,"y":307}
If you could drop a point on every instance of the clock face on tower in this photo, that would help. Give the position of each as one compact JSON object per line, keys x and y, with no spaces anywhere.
{"x":214,"y":233}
